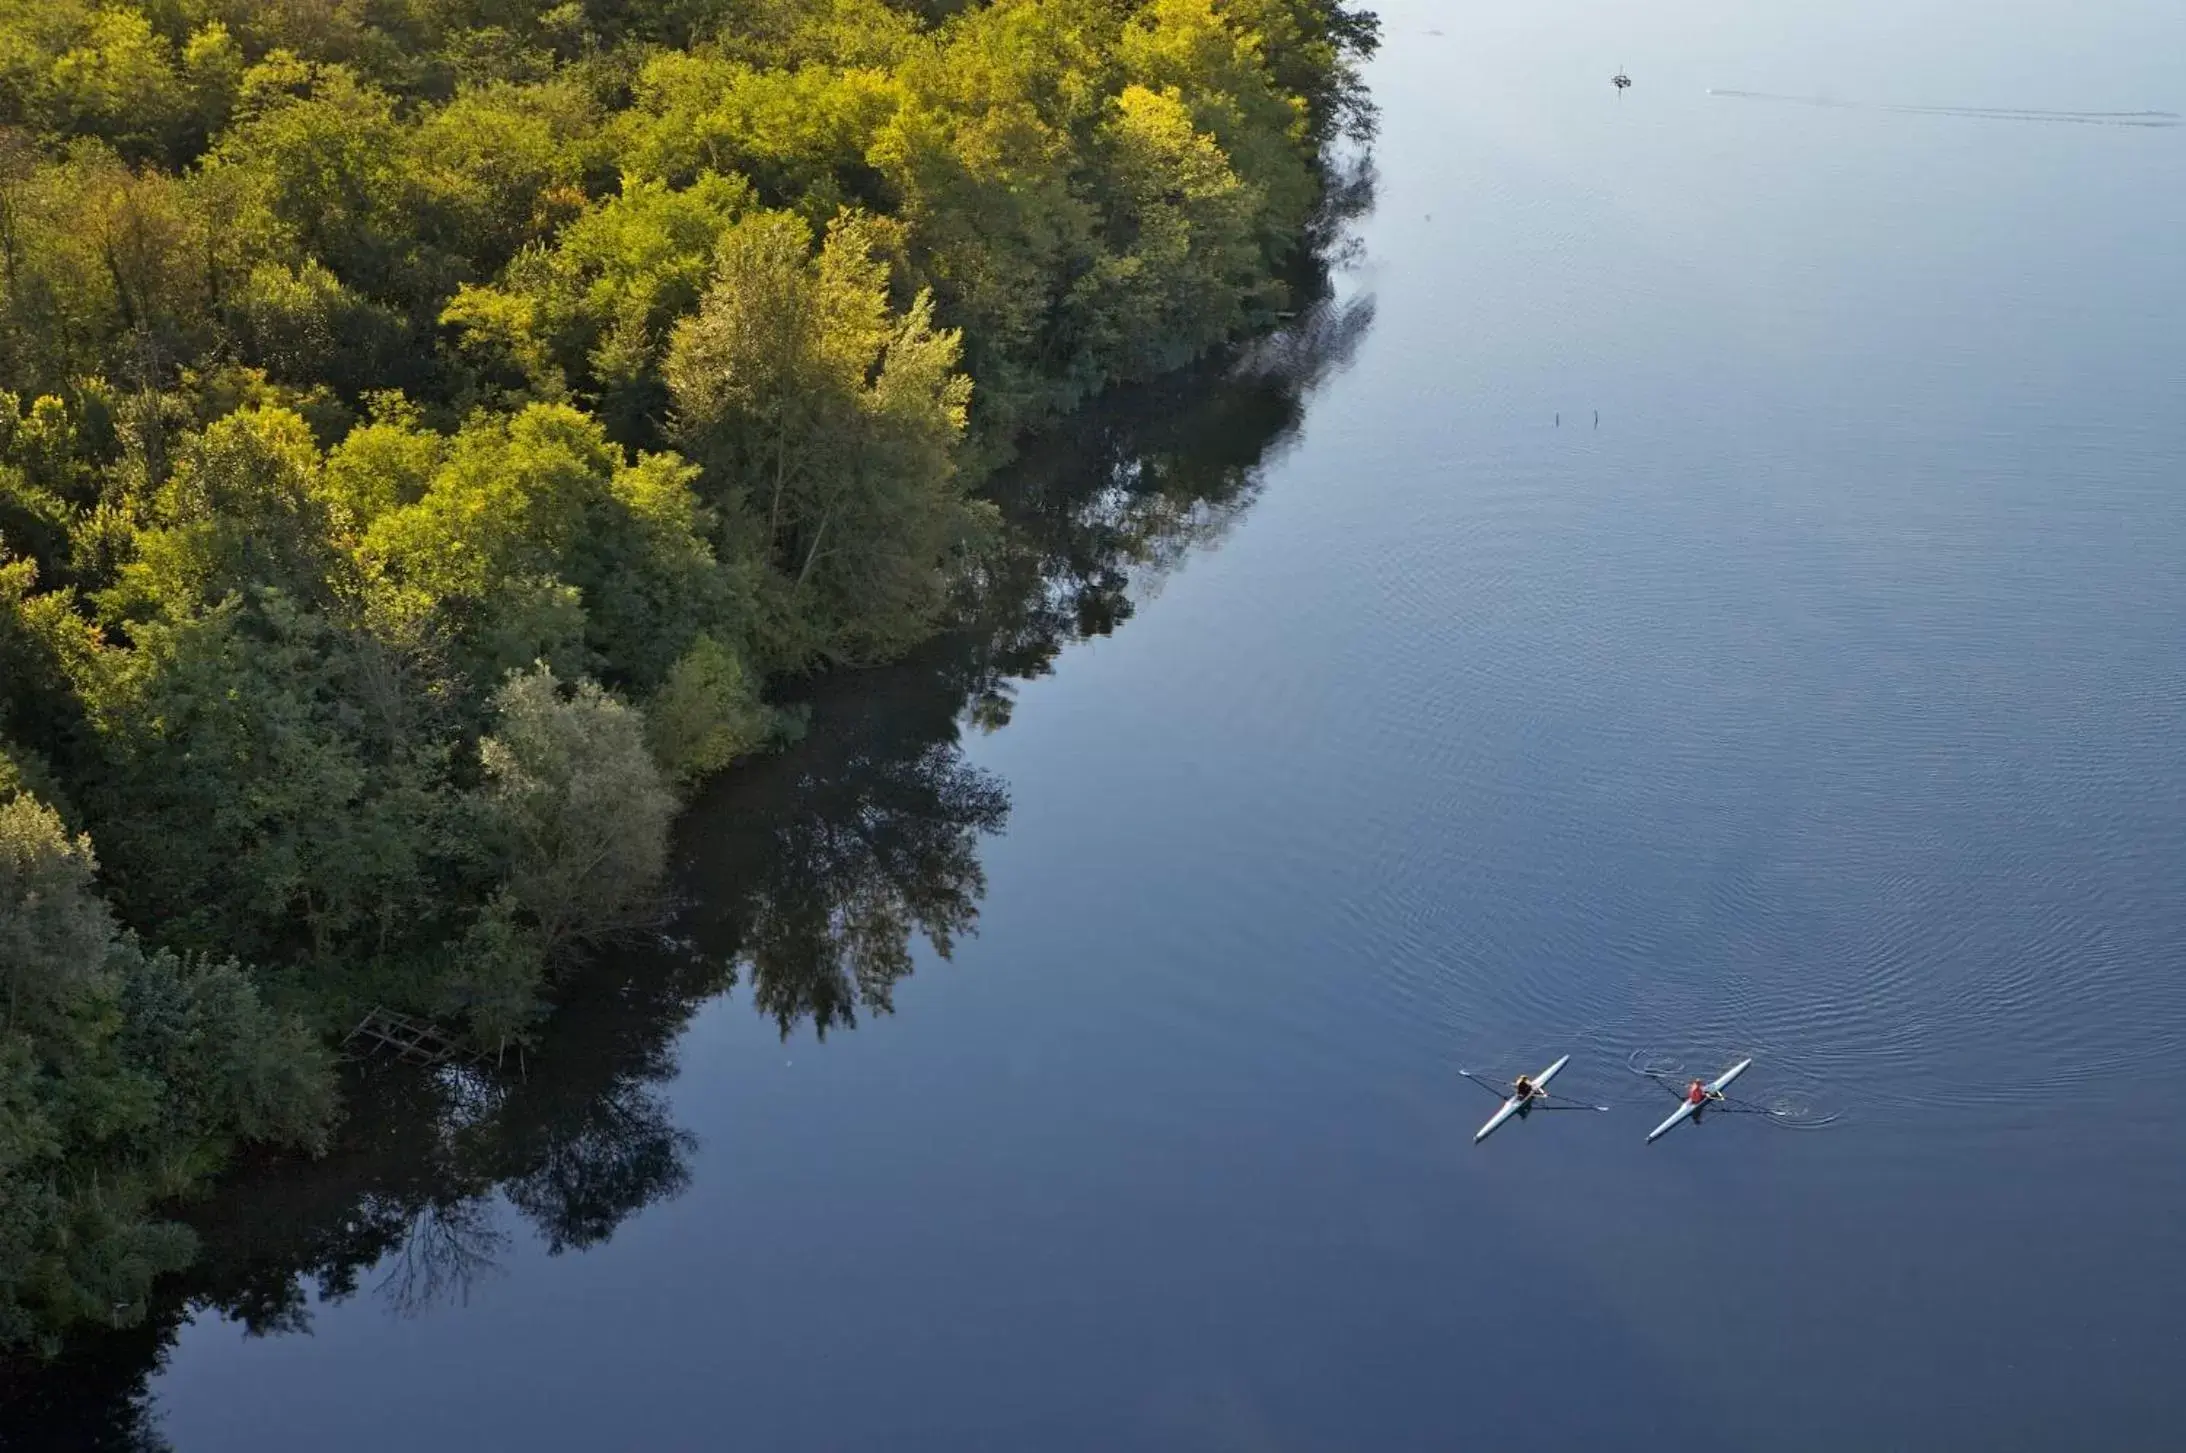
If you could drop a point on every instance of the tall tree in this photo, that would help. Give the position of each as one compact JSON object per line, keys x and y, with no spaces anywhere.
{"x":827,"y":424}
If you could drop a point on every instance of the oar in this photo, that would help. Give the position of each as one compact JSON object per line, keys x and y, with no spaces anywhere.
{"x":1660,"y":1077}
{"x":1501,"y":1091}
{"x":1571,"y":1104}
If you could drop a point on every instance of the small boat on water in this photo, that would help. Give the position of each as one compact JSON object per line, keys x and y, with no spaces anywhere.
{"x":1517,"y":1102}
{"x":1688,"y":1108}
{"x":1534,"y":1096}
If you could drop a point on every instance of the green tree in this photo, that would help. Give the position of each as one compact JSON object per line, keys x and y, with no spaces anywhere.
{"x":706,"y":714}
{"x":801,"y":135}
{"x":96,"y":273}
{"x":1184,"y":272}
{"x":592,"y":313}
{"x":984,"y":157}
{"x":212,"y":70}
{"x":231,"y":1066}
{"x":1220,"y":69}
{"x":119,"y":82}
{"x":327,"y":167}
{"x":578,"y":807}
{"x":827,"y":425}
{"x":243,"y":509}
{"x":533,"y":540}
{"x":44,"y":645}
{"x":502,"y":166}
{"x":53,"y":928}
{"x":385,"y":464}
{"x":123,"y":1077}
{"x":266,"y":783}
{"x":794,"y":34}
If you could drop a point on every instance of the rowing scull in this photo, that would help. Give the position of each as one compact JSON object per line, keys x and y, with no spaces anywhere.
{"x":1688,"y":1107}
{"x":1516,"y":1103}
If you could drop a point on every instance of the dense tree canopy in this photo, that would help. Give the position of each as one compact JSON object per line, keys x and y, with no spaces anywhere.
{"x":430,"y":430}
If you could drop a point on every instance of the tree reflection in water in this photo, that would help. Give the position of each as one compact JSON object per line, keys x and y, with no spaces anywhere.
{"x":447,"y":1246}
{"x":813,"y":873}
{"x":856,"y":847}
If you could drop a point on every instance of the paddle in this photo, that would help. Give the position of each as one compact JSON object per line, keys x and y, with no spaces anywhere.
{"x":1571,"y":1104}
{"x":1498,"y":1088}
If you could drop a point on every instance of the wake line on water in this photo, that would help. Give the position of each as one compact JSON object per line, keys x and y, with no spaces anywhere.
{"x":1979,"y":113}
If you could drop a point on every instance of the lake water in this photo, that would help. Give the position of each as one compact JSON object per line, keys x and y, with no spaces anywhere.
{"x":1821,"y":703}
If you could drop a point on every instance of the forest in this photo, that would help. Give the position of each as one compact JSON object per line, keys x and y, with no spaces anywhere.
{"x":435,"y":435}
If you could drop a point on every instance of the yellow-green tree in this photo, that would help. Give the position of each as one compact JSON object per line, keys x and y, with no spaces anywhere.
{"x":827,"y":423}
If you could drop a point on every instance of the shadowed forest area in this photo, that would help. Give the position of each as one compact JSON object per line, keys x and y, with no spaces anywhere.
{"x":810,"y":875}
{"x":437,"y":435}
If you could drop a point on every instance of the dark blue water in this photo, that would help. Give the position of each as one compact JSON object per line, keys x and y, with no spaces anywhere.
{"x":1823,"y":703}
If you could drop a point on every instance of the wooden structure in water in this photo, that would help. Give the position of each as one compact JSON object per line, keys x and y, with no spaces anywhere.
{"x":383,"y":1033}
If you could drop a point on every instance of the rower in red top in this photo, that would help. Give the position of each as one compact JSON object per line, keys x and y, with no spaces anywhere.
{"x":1696,"y":1094}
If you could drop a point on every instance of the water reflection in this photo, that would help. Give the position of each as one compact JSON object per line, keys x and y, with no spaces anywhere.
{"x":448,"y":1246}
{"x":812,"y":875}
{"x":818,"y":871}
{"x":1107,"y":507}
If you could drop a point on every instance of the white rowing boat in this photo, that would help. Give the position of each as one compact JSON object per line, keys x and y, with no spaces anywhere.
{"x":1516,"y":1103}
{"x":1685,"y":1110}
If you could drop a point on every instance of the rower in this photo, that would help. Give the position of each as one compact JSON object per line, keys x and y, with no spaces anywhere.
{"x":1523,"y":1088}
{"x":1696,"y":1094}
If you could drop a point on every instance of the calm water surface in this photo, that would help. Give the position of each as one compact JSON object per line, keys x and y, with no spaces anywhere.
{"x":1822,"y":703}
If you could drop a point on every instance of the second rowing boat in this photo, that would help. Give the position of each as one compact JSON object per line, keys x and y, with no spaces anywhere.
{"x":1685,"y":1110}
